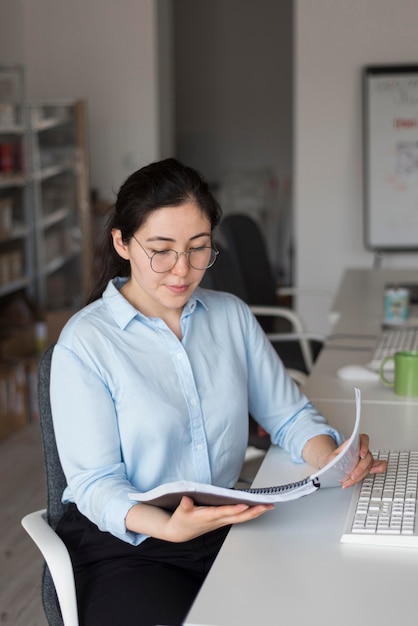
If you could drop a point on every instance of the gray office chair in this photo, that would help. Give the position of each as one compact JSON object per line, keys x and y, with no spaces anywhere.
{"x":58,"y":586}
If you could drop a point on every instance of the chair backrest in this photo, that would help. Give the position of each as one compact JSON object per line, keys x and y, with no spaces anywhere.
{"x":224,"y":275}
{"x":244,"y":241}
{"x":55,"y":479}
{"x":243,"y":238}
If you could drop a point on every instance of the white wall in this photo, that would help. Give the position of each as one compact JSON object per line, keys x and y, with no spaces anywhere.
{"x":166,"y":89}
{"x":334,"y":39}
{"x":234,"y":84}
{"x":233,"y":78}
{"x":104,"y":51}
{"x":11,"y":45}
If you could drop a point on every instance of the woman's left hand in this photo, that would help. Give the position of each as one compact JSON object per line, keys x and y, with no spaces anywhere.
{"x":366,"y":465}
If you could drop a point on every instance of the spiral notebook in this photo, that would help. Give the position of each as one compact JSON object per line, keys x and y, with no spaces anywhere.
{"x":169,"y":495}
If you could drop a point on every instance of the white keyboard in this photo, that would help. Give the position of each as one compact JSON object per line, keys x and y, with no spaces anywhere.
{"x":393,"y":340}
{"x":383,"y":506}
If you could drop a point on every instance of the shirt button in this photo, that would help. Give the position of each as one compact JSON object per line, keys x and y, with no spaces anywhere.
{"x":200,"y":446}
{"x":179,"y":356}
{"x":193,"y":402}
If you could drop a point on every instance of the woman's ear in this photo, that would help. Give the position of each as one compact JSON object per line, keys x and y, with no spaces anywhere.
{"x":121,"y":248}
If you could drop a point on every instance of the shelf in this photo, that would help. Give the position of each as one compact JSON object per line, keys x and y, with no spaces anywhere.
{"x":54,"y":218}
{"x":53,"y":170}
{"x":12,"y":180}
{"x":14,"y":129}
{"x":53,"y":122}
{"x":59,"y":262}
{"x":18,"y":232}
{"x":15,"y":285}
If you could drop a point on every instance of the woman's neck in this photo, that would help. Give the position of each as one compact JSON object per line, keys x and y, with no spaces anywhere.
{"x":172,"y":317}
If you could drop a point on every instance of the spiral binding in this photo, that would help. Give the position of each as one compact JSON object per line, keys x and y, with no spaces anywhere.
{"x":280,"y":488}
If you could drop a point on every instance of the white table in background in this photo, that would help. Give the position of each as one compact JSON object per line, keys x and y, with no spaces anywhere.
{"x":359,"y":306}
{"x":359,"y":299}
{"x":324,"y":383}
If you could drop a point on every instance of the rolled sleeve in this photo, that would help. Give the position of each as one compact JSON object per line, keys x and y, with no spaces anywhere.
{"x":305,"y":425}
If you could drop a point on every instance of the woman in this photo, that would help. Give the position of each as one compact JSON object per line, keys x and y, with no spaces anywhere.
{"x":152,"y":382}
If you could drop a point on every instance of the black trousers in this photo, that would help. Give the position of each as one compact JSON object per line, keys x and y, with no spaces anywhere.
{"x":117,"y":583}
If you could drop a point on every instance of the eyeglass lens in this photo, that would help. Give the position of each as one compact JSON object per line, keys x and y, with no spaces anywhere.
{"x":198,"y":258}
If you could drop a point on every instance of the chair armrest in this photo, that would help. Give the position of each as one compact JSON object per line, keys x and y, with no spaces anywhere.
{"x":299,"y":377}
{"x":280,"y":311}
{"x":58,"y":560}
{"x":294,"y":336}
{"x":303,"y":291}
{"x":304,"y":340}
{"x":289,"y":314}
{"x":298,"y":333}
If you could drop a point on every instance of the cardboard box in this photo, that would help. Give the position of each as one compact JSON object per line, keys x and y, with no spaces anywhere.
{"x":5,"y":269}
{"x":16,"y":310}
{"x":11,"y":266}
{"x":33,"y":338}
{"x":18,"y":342}
{"x":60,"y":287}
{"x":32,"y":388}
{"x":14,"y":401}
{"x":16,"y":264}
{"x":18,"y":396}
{"x":6,"y":217}
{"x":4,"y":415}
{"x":20,"y":348}
{"x":55,"y":322}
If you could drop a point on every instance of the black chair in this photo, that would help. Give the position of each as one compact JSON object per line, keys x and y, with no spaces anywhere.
{"x":242,"y":237}
{"x":58,"y":586}
{"x":224,"y":275}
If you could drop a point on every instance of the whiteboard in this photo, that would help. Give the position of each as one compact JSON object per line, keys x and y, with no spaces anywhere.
{"x":390,"y":140}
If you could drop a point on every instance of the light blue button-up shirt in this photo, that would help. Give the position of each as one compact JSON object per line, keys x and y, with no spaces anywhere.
{"x":135,"y":407}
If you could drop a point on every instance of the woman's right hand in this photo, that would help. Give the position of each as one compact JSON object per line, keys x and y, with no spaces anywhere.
{"x":189,"y":521}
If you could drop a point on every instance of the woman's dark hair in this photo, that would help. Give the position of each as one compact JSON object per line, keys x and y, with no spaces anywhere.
{"x":160,"y":184}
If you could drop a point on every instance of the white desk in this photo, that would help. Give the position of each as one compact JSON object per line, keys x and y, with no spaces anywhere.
{"x":288,"y":566}
{"x":359,"y":305}
{"x":324,"y":384}
{"x":359,"y":300}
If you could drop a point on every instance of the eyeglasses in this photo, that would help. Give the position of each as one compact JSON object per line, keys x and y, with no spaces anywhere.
{"x":164,"y":260}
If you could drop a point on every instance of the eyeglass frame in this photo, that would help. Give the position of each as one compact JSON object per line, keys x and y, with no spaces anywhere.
{"x":187,"y":253}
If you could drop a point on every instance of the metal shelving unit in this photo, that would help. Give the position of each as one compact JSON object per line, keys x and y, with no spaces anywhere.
{"x":16,"y":223}
{"x":61,"y":210}
{"x":45,"y":225}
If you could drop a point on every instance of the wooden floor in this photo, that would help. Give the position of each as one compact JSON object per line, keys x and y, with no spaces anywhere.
{"x":22,"y":490}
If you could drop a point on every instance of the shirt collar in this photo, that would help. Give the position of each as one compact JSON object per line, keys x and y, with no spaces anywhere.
{"x":123,"y":312}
